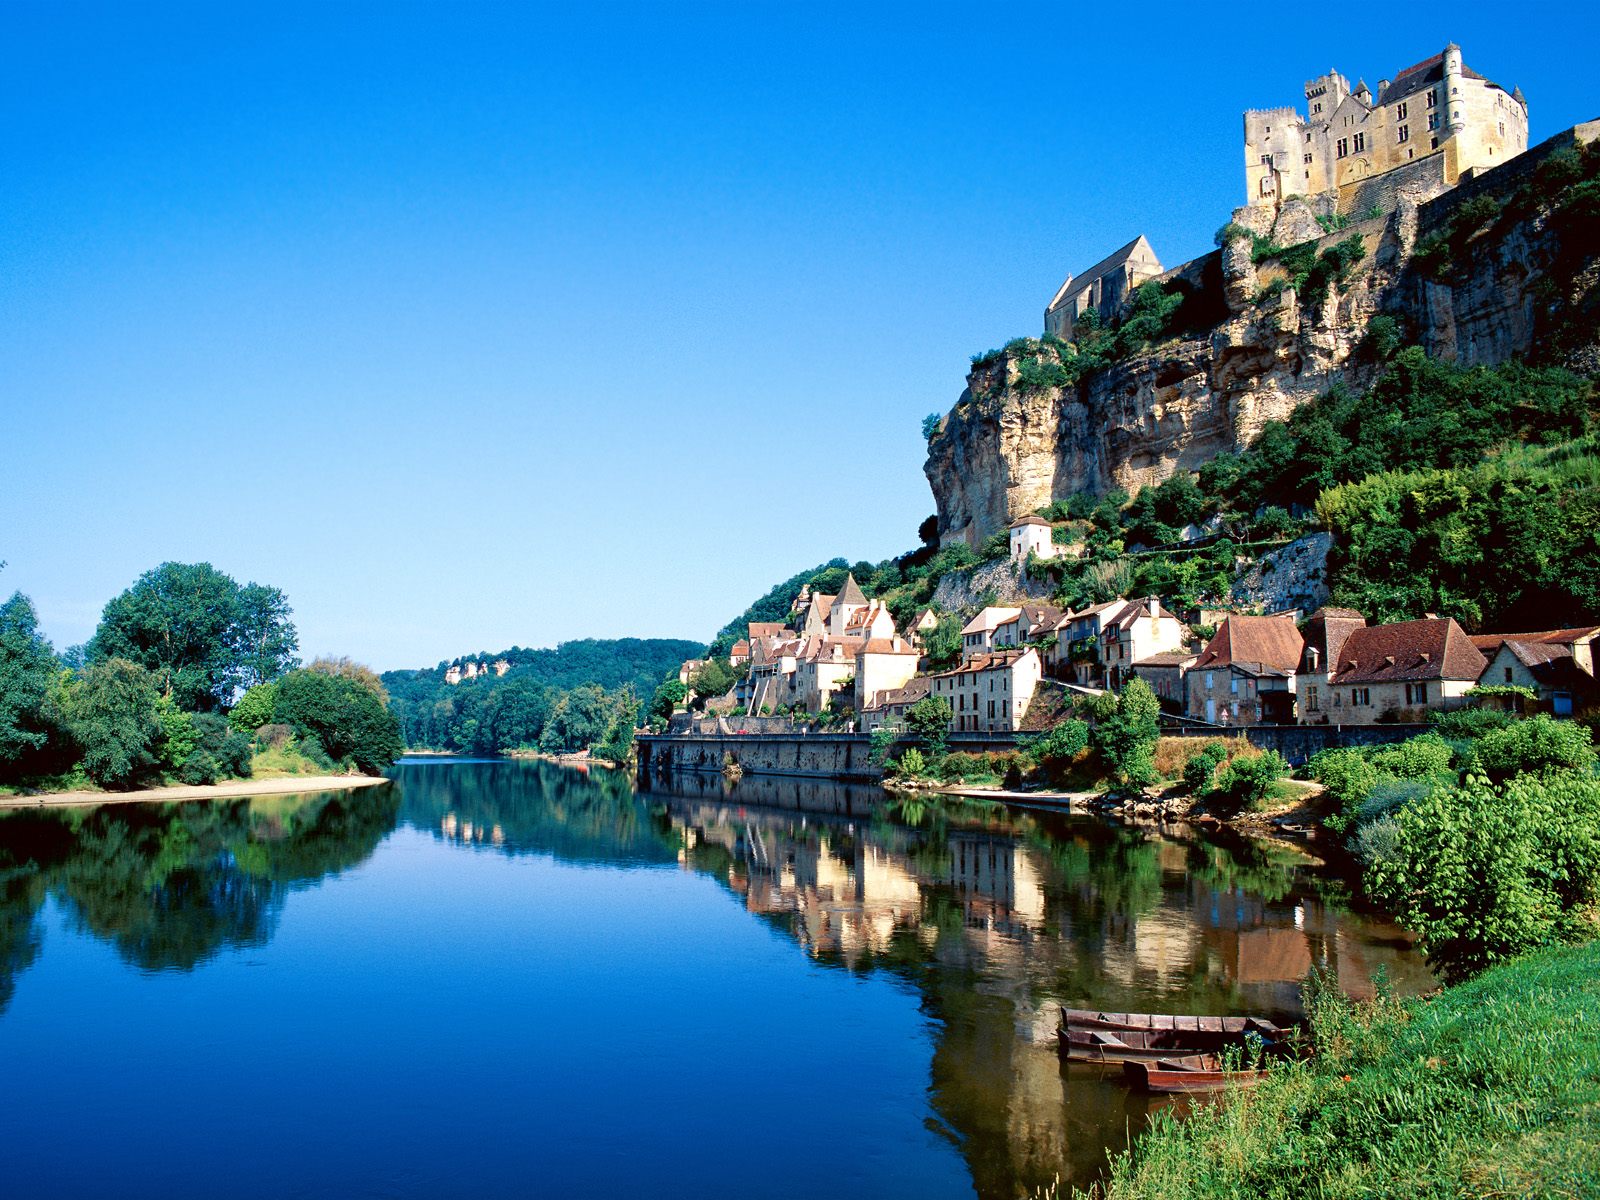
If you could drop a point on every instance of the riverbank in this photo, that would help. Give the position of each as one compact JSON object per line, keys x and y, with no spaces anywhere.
{"x":236,"y":787}
{"x":1490,"y":1087}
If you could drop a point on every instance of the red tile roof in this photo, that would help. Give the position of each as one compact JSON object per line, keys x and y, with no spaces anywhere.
{"x":1268,"y":641}
{"x":1490,"y":642}
{"x":1433,"y":648}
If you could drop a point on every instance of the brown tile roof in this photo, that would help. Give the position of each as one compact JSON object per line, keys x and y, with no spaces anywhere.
{"x":1030,"y":519}
{"x":990,"y":618}
{"x":1271,"y":641}
{"x":1432,"y":648}
{"x":761,"y":629}
{"x":740,"y":647}
{"x":1168,"y":658}
{"x":1414,"y":78}
{"x":1490,"y":642}
{"x":852,"y":591}
{"x":887,"y":646}
{"x":986,"y":662}
{"x":914,"y":690}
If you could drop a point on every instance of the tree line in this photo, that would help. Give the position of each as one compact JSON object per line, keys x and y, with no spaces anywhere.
{"x":189,"y":677}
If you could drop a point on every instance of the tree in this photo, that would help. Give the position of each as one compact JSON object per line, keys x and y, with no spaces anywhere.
{"x":928,"y":720}
{"x":666,"y":699}
{"x":198,"y":632}
{"x":1055,"y":750}
{"x":1126,"y":730}
{"x":712,"y":678}
{"x":254,"y":708}
{"x":617,"y":743}
{"x":942,"y":644}
{"x":27,"y":671}
{"x":346,"y":667}
{"x":344,"y":717}
{"x":111,"y":713}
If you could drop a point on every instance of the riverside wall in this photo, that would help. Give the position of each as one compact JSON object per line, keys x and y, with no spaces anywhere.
{"x":1297,"y":743}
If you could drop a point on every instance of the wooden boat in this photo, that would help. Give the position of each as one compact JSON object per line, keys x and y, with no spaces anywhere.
{"x":1103,"y":1046}
{"x":1114,"y":1022}
{"x":1190,"y":1073}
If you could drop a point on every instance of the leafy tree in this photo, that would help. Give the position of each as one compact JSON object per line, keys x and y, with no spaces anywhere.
{"x":179,"y":737}
{"x":1246,"y":781}
{"x":941,"y":645}
{"x":617,"y":742}
{"x":1201,"y":768}
{"x":111,"y":712}
{"x":254,"y":708}
{"x":1055,"y":750}
{"x":348,"y":668}
{"x":201,"y":634}
{"x":577,"y":720}
{"x":666,"y":699}
{"x":27,"y":672}
{"x":1537,"y":744}
{"x":713,"y":678}
{"x":343,"y":716}
{"x":1126,"y":730}
{"x":928,"y":720}
{"x":1484,"y":872}
{"x":930,"y":426}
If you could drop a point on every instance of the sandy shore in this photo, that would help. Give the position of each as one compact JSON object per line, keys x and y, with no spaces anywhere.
{"x":236,"y":787}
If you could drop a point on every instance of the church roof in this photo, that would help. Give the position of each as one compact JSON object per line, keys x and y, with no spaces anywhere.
{"x":852,"y":592}
{"x":1076,"y":284}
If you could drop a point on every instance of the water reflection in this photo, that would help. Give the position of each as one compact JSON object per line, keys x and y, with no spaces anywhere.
{"x":993,"y":916}
{"x":172,"y":885}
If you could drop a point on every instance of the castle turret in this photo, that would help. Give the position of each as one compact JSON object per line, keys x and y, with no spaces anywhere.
{"x":1453,"y":119}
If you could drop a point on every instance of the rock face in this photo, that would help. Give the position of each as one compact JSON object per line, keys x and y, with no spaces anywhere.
{"x":1006,"y":581}
{"x":1008,"y":448}
{"x":1293,"y":577}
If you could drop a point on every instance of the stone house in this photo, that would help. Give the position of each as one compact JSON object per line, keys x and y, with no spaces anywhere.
{"x":890,"y":707}
{"x":1440,"y":107}
{"x":1033,"y":623}
{"x":883,"y":665}
{"x":739,"y":654}
{"x":1245,"y":675}
{"x":990,"y":692}
{"x":821,"y":669}
{"x":1104,"y":287}
{"x":1036,"y":536}
{"x":1557,"y":664}
{"x":1403,"y":670}
{"x":926,"y":621}
{"x":1076,"y":655}
{"x":1167,"y":674}
{"x":1141,"y":629}
{"x":1325,"y":635}
{"x":977,"y":635}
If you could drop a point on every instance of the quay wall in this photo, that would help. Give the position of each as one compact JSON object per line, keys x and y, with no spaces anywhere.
{"x":1297,"y":743}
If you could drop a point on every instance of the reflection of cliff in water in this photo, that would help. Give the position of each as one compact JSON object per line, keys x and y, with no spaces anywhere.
{"x":999,"y":916}
{"x":171,"y":885}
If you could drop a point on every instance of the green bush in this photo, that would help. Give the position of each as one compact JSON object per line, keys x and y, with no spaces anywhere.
{"x":112,"y":713}
{"x":1426,"y":757}
{"x":910,"y":764}
{"x":254,"y":708}
{"x":344,"y":718}
{"x":1348,"y":779}
{"x":1486,"y":871}
{"x":1462,"y":724}
{"x":1125,"y":733}
{"x":1201,"y":769}
{"x":1055,"y":749}
{"x":1245,"y":783}
{"x":1539,"y":743}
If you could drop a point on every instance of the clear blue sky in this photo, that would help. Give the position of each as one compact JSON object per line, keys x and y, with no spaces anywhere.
{"x":473,"y":325}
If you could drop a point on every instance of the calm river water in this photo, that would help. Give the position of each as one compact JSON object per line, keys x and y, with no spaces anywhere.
{"x":511,"y":979}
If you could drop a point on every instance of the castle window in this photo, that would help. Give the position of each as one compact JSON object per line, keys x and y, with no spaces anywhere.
{"x":1433,"y":143}
{"x":1405,"y":133}
{"x":1433,"y":120}
{"x":1344,"y":147}
{"x":1361,"y":142}
{"x":1308,"y":160}
{"x":1316,"y":108}
{"x":1266,"y":160}
{"x":1400,"y":112}
{"x":1433,"y":99}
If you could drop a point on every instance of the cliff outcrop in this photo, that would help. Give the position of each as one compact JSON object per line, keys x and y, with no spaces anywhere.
{"x":1021,"y":436}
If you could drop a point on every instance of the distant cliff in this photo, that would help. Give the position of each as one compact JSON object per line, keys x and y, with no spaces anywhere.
{"x":1491,"y":270}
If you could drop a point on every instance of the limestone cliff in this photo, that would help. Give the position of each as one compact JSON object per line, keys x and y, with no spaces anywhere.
{"x":1011,"y":446}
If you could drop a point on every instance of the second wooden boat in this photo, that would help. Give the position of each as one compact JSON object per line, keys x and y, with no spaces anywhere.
{"x":1189,"y":1073}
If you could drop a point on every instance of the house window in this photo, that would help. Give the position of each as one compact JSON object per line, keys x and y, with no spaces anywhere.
{"x":1433,"y":143}
{"x":1400,"y":112}
{"x":991,"y":710}
{"x":1233,"y":686}
{"x":1416,"y":693}
{"x":1508,"y":674}
{"x":1361,"y":142}
{"x":1433,"y":120}
{"x":1433,"y":99}
{"x":1343,"y":147}
{"x":1308,"y":160}
{"x":1405,"y":133}
{"x":1209,"y":681}
{"x":1360,"y":696}
{"x":1311,"y":700}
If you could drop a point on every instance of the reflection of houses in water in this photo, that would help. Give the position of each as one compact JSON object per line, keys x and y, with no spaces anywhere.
{"x":467,"y":832}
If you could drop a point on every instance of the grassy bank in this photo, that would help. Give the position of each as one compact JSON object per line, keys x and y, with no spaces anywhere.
{"x":1490,"y":1088}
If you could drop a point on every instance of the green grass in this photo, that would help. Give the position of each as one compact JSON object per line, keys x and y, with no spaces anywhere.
{"x":277,"y":762}
{"x":1490,"y":1088}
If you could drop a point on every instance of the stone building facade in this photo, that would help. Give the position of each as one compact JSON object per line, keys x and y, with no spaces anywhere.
{"x":1439,"y":106}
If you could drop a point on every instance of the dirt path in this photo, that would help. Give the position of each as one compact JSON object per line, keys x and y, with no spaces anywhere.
{"x":236,"y":787}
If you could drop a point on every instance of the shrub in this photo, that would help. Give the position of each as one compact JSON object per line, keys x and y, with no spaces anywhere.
{"x":910,"y":764}
{"x":1378,"y":844}
{"x":1348,"y":778}
{"x":928,"y":720}
{"x":1391,"y":795}
{"x":200,"y":767}
{"x":1465,"y":723}
{"x":254,"y":708}
{"x":1540,"y":743}
{"x":344,"y":717}
{"x":1055,"y":750}
{"x":274,"y":735}
{"x":1200,"y":770}
{"x":1427,"y":756}
{"x":1486,"y":871}
{"x":112,"y":713}
{"x":1246,"y":782}
{"x":1125,"y":732}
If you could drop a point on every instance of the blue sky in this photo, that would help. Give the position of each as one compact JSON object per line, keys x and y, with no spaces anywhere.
{"x":480,"y":325}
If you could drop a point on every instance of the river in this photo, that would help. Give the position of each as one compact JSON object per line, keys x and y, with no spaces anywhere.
{"x":514,"y":979}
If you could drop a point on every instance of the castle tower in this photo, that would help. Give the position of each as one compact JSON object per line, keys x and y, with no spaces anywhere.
{"x":1451,"y":98}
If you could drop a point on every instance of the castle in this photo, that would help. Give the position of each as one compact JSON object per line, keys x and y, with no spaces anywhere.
{"x":1439,"y":106}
